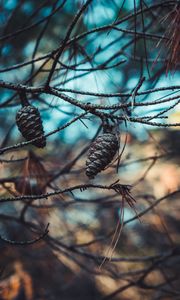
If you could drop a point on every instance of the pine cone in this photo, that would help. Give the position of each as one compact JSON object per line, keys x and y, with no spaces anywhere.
{"x":101,"y":153}
{"x":29,"y":123}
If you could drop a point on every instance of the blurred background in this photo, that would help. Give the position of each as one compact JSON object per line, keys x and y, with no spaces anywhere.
{"x":119,"y":52}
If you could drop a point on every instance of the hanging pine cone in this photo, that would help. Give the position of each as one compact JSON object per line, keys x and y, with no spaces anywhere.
{"x":101,"y":153}
{"x":29,"y":123}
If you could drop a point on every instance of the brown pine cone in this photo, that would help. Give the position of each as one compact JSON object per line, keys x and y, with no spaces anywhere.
{"x":101,"y":153}
{"x":29,"y":123}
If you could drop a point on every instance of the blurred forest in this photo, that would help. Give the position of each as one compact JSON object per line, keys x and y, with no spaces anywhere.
{"x":87,"y":65}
